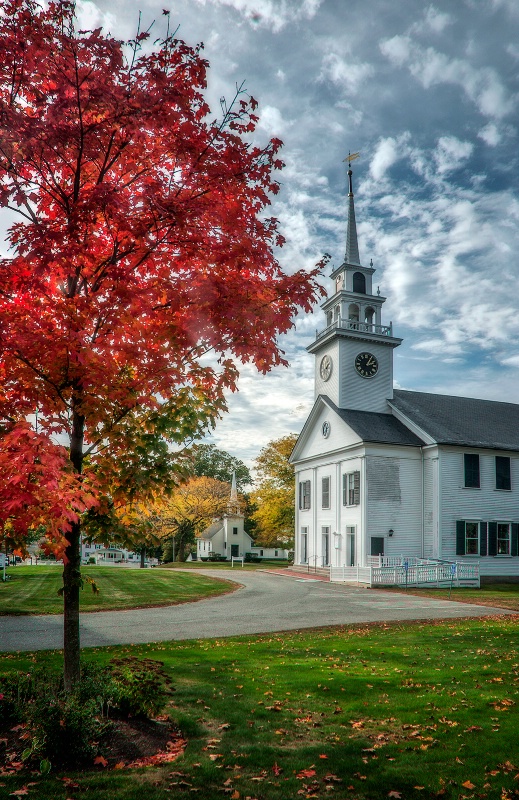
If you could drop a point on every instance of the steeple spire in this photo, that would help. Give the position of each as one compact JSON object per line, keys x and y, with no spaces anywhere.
{"x":352,"y":245}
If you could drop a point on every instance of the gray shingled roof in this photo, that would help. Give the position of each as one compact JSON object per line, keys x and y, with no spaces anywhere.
{"x":462,"y":420}
{"x":209,"y":532}
{"x":376,"y":427}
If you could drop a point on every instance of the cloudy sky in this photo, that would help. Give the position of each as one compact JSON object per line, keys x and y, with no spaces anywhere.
{"x":428,"y":93}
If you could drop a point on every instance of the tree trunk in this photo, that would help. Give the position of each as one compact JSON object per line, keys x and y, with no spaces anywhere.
{"x":72,"y":573}
{"x":71,"y":587}
{"x":143,"y":555}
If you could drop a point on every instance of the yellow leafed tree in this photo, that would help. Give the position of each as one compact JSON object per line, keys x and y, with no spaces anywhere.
{"x":274,"y":494}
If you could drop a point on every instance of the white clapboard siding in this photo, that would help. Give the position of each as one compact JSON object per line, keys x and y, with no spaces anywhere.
{"x":394,"y":502}
{"x":484,"y":504}
{"x":366,"y":394}
{"x":330,"y":387}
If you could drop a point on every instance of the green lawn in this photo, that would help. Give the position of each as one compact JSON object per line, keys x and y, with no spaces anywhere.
{"x":389,"y":711}
{"x":500,"y":595}
{"x":34,"y":590}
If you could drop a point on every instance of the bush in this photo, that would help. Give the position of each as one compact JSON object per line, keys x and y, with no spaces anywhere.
{"x":252,"y":558}
{"x":65,"y":728}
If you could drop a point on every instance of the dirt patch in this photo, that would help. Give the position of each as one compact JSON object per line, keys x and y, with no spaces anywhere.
{"x":134,"y":742}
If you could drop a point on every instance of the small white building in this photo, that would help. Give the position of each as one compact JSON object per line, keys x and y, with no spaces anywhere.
{"x":388,"y":476}
{"x":227,"y":536}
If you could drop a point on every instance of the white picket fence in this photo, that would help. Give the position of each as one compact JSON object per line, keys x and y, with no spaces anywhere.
{"x":398,"y":571}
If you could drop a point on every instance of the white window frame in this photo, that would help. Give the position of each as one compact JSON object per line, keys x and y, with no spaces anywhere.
{"x":506,"y":540}
{"x":468,"y":551}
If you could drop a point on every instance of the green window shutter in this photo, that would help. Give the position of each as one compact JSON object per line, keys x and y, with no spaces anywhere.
{"x":492,"y":538}
{"x":460,"y":537}
{"x":514,"y":551}
{"x":482,"y":538}
{"x":356,"y":488}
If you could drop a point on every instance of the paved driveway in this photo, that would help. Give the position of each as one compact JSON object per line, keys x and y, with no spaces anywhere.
{"x":264,"y":603}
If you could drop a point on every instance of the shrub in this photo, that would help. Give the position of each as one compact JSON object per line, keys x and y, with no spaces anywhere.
{"x":141,"y":686}
{"x":64,"y":728}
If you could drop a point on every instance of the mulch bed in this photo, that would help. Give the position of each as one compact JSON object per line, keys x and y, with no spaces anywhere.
{"x":129,"y":743}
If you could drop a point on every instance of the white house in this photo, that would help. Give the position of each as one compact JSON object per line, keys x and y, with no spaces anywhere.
{"x":384,"y":475}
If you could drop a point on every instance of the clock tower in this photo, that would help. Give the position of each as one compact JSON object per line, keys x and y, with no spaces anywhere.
{"x":354,"y":352}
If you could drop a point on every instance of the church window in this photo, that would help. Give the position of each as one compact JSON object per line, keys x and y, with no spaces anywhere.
{"x":353,"y":312}
{"x":351,"y":489}
{"x":503,"y":480}
{"x":337,"y":312}
{"x":304,"y":495}
{"x":235,"y":531}
{"x":359,"y":283}
{"x":503,"y":538}
{"x":471,"y":464}
{"x":325,"y":492}
{"x":469,"y":537}
{"x":329,"y":318}
{"x":369,"y":315}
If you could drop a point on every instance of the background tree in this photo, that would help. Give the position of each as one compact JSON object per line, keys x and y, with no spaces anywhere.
{"x":274,"y":495}
{"x":140,"y":219}
{"x":189,"y":510}
{"x":208,"y":460}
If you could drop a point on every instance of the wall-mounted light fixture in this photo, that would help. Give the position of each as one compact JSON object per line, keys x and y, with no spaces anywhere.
{"x":390,"y":532}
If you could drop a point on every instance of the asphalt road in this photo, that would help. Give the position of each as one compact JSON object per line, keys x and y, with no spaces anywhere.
{"x":263,"y":603}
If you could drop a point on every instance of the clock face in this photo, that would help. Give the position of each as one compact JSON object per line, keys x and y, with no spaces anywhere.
{"x":325,"y":368}
{"x":366,"y":365}
{"x":326,"y":429}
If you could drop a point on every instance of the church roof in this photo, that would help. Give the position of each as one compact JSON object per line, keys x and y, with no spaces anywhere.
{"x":213,"y":529}
{"x":461,"y":420}
{"x":376,"y":427}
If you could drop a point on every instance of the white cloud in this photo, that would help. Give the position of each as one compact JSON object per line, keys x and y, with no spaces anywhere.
{"x":451,"y":153}
{"x":90,"y":16}
{"x":434,"y":21}
{"x":271,"y":121}
{"x":388,"y":151}
{"x":273,"y":14}
{"x":347,"y":75}
{"x":482,"y":85}
{"x":490,"y":134}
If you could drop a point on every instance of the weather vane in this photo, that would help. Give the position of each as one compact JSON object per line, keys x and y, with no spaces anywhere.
{"x":351,"y":157}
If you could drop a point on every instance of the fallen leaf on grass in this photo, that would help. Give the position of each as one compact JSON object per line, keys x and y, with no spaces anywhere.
{"x":323,"y":755}
{"x":306,"y":773}
{"x":276,"y":770}
{"x":473,"y":729}
{"x":468,"y":785}
{"x":119,"y":765}
{"x":235,"y":795}
{"x":101,"y":761}
{"x":397,"y":795}
{"x":20,"y":792}
{"x":214,"y":756}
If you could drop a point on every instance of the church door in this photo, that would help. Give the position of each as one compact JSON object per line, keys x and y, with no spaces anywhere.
{"x":235,"y":550}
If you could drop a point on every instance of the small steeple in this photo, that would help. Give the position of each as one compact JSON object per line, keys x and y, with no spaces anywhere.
{"x":352,"y":245}
{"x":233,"y":507}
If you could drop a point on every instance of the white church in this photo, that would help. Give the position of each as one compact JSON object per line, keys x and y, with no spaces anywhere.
{"x":390,"y":477}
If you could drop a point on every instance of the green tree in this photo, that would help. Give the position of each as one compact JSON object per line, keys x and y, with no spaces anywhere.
{"x":273,"y":494}
{"x":208,"y":460}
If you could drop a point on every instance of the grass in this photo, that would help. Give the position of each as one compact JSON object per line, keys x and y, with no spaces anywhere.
{"x":34,"y":590}
{"x":498,"y":595}
{"x":388,"y":711}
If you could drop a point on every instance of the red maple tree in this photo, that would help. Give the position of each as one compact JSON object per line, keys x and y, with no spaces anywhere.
{"x":142,"y":270}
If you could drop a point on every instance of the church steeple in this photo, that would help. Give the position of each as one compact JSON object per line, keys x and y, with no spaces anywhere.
{"x":354,"y":352}
{"x":352,"y":245}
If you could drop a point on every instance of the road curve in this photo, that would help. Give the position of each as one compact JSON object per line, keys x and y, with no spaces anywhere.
{"x":264,"y":603}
